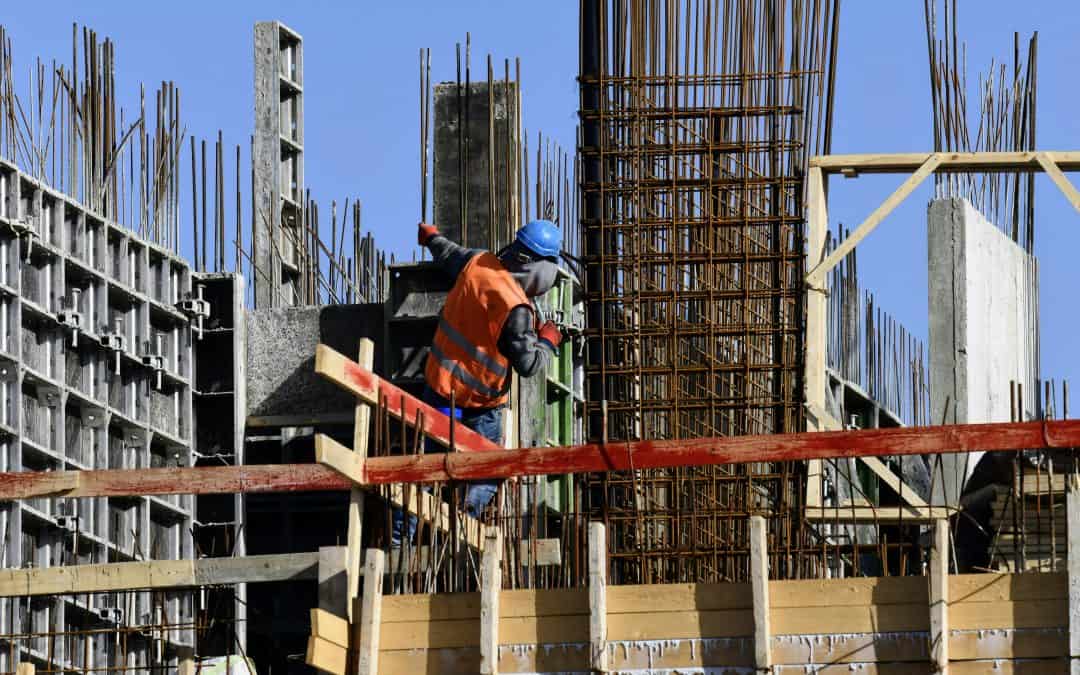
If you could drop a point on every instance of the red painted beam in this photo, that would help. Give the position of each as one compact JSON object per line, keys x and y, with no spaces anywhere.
{"x":733,"y":450}
{"x":533,"y":461}
{"x":372,"y":389}
{"x":192,"y":480}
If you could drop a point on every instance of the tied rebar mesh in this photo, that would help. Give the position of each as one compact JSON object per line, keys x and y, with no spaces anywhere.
{"x":697,"y":120}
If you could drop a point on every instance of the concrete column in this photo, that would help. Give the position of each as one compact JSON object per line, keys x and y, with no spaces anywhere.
{"x":473,"y":142}
{"x":983,"y":328}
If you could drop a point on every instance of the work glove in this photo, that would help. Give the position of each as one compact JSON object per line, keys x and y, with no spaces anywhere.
{"x":550,"y":335}
{"x":425,"y":232}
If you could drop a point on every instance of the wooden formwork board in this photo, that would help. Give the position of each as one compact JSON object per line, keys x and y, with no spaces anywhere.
{"x":879,"y":623}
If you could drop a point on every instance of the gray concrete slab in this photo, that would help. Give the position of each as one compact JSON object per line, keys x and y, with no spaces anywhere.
{"x":983,"y":294}
{"x":281,"y":343}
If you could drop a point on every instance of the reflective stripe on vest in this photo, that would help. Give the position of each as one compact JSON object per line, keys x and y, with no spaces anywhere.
{"x":464,"y":358}
{"x":471,"y":349}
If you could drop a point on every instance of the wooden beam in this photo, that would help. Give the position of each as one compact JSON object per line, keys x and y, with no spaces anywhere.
{"x":598,"y":653}
{"x":200,"y":480}
{"x":1072,"y":510}
{"x":154,"y":574}
{"x":817,"y":274}
{"x":24,"y":668}
{"x":624,"y":456}
{"x":906,"y":492}
{"x":1051,"y":168}
{"x":621,"y":456}
{"x":952,"y":162}
{"x":490,"y":589}
{"x":878,"y":514}
{"x":939,"y":598}
{"x":371,"y":612}
{"x":759,"y":584}
{"x":361,"y":427}
{"x":184,"y":667}
{"x":370,"y":388}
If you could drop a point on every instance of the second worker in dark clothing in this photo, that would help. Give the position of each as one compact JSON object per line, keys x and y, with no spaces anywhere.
{"x":488,"y":327}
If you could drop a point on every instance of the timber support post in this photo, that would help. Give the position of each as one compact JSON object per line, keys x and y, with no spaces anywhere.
{"x":939,"y":598}
{"x":598,"y":653}
{"x":367,"y":662}
{"x":759,"y":584}
{"x":490,"y":587}
{"x":362,"y":419}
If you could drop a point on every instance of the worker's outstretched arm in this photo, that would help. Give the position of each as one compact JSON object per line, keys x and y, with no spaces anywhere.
{"x":450,"y":256}
{"x":527,"y":352}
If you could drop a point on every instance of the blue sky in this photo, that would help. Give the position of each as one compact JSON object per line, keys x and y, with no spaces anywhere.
{"x":361,"y":105}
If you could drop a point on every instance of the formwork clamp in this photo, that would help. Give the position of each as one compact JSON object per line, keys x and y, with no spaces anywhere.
{"x":69,"y":316}
{"x":115,"y":342}
{"x":196,"y":309}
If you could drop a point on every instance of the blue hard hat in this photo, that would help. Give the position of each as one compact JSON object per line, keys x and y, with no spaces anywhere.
{"x":542,"y":237}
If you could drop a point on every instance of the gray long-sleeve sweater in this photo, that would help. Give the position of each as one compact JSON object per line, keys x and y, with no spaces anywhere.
{"x":518,"y":341}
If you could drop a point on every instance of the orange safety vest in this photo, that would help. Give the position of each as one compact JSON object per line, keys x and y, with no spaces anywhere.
{"x":465,"y":355}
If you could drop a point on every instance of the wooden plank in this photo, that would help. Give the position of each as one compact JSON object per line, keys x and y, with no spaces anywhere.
{"x":149,"y":574}
{"x":200,"y":480}
{"x":184,"y":667}
{"x":24,"y":668}
{"x":370,"y":388}
{"x":759,"y":584}
{"x":329,"y":627}
{"x":906,"y":492}
{"x":1072,"y":508}
{"x":257,"y":568}
{"x":490,"y":590}
{"x":1063,"y":183}
{"x":939,"y":598}
{"x":466,"y":632}
{"x":370,"y":619}
{"x":878,"y":514}
{"x":598,"y":612}
{"x":816,"y":275}
{"x":849,"y":592}
{"x":554,"y":602}
{"x":1007,"y":615}
{"x":731,"y":450}
{"x":952,"y":162}
{"x":361,"y":428}
{"x":975,"y":588}
{"x":326,"y":656}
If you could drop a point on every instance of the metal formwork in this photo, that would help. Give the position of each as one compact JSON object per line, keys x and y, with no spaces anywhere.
{"x":696,"y":121}
{"x":96,"y":364}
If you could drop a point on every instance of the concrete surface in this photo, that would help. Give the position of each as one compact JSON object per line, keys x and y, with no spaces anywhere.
{"x":281,"y":343}
{"x":446,"y":182}
{"x":983,"y":292}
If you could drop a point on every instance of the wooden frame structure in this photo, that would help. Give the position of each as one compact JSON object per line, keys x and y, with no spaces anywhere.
{"x":920,"y":166}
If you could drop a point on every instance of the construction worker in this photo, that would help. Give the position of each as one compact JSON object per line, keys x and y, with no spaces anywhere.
{"x":487,"y":327}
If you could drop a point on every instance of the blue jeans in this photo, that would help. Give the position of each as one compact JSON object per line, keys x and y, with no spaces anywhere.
{"x":478,"y":494}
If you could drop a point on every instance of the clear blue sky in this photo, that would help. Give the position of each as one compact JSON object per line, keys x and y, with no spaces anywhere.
{"x":361,"y":105}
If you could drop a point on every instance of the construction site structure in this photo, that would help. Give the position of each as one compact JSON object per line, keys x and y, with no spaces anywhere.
{"x":730,"y":465}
